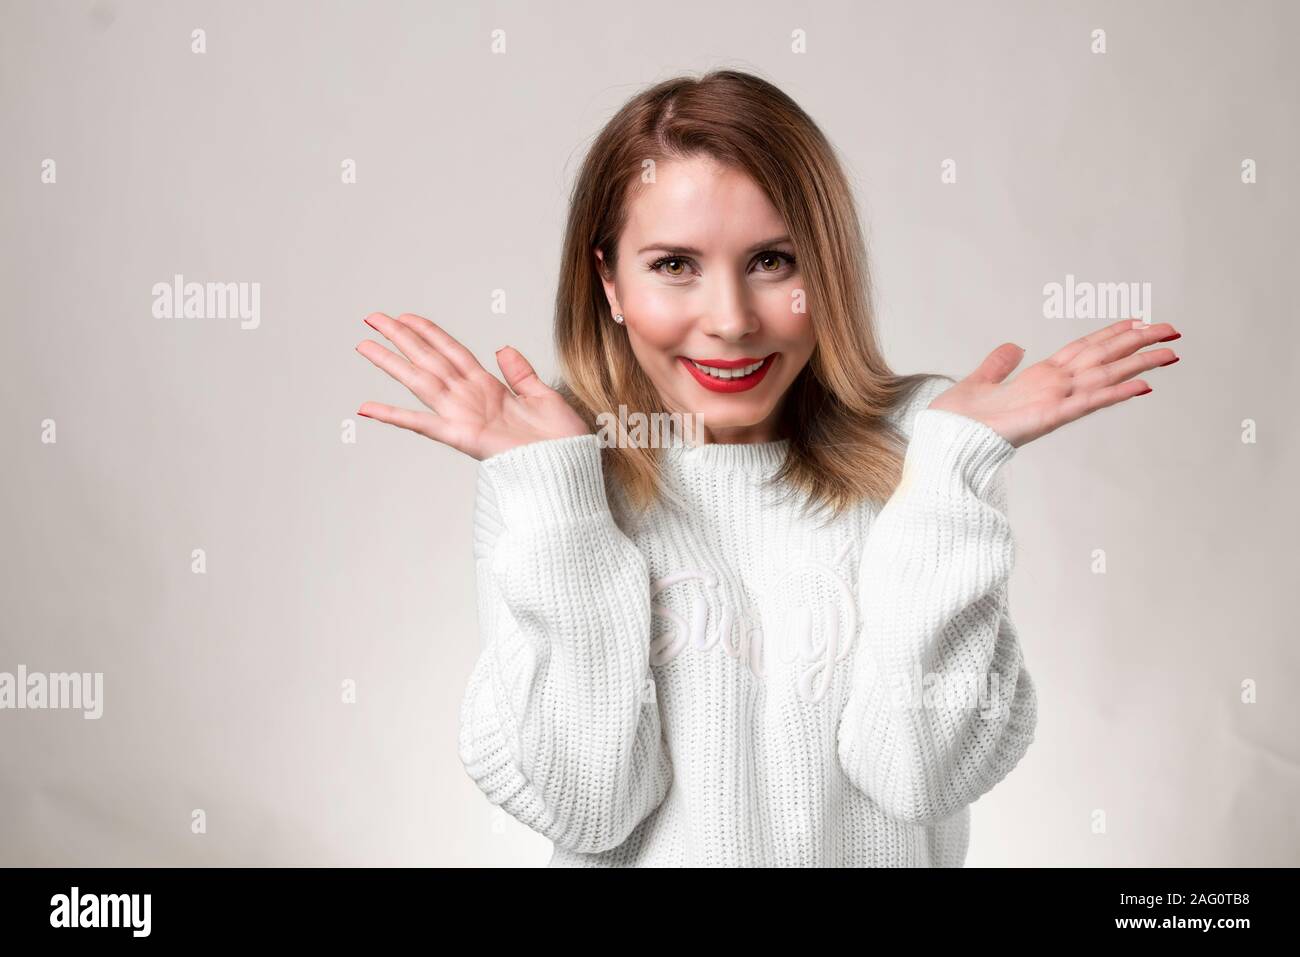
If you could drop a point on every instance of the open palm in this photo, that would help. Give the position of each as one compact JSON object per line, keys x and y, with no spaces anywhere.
{"x":1085,"y":375}
{"x":472,"y":410}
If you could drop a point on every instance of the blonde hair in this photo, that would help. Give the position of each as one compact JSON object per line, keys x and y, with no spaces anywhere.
{"x":841,"y":448}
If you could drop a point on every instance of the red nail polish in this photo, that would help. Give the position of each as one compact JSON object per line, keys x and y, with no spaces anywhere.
{"x":1170,"y":362}
{"x":1176,"y":335}
{"x":359,"y":412}
{"x":1148,"y":389}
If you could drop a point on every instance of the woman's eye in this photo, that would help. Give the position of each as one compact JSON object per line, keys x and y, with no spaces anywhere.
{"x":678,"y":266}
{"x":777,"y":260}
{"x":667,"y":261}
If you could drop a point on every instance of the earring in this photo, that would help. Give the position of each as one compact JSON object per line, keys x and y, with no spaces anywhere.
{"x":618,"y":317}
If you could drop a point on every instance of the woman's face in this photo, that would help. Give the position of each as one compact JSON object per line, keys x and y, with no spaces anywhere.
{"x":706,"y":278}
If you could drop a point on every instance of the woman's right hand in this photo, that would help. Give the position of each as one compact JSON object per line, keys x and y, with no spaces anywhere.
{"x":475,"y":413}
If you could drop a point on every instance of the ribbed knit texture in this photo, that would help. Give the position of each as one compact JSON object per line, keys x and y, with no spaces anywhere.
{"x":736,"y":685}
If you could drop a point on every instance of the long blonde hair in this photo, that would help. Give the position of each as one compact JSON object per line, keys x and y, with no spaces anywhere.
{"x":841,"y":448}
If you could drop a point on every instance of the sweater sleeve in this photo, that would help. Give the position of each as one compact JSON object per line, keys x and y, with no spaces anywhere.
{"x":560,"y":723}
{"x":940,"y":707}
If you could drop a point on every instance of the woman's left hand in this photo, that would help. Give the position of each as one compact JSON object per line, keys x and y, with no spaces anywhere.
{"x":1086,"y":375}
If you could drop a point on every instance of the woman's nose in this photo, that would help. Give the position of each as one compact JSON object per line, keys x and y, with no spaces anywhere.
{"x":730,"y":314}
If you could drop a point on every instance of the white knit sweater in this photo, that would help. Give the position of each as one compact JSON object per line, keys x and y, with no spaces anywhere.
{"x":739,"y":686}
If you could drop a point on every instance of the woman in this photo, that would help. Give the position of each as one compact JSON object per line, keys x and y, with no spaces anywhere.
{"x":786,"y":640}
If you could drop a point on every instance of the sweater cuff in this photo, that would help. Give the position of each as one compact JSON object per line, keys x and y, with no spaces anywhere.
{"x":950,"y":453}
{"x":551,"y":482}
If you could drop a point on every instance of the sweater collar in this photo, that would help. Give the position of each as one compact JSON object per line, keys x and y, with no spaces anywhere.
{"x":745,"y":456}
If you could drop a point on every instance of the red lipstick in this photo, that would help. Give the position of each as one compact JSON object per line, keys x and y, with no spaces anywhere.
{"x":735,"y":383}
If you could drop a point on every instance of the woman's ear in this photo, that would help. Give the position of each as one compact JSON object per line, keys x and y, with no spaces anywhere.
{"x":607,"y":280}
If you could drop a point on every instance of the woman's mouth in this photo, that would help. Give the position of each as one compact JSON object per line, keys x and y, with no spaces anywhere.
{"x":728,"y":375}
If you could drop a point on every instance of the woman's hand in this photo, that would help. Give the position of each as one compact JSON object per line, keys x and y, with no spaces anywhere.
{"x":475,"y":412}
{"x":1084,"y":376}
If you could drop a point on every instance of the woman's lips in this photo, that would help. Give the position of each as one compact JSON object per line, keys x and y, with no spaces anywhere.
{"x":741,"y":384}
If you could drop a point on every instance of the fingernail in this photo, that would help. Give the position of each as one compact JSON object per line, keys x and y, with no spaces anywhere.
{"x":1148,"y":389}
{"x":1176,"y":335}
{"x":1169,"y":363}
{"x":369,"y":323}
{"x":359,"y":412}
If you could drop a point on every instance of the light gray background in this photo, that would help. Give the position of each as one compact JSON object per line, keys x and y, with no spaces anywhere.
{"x":329,"y":561}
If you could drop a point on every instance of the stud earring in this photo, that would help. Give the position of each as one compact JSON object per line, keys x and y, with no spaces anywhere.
{"x":618,"y":317}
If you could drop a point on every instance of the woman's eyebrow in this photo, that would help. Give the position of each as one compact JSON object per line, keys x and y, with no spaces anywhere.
{"x":692,"y":251}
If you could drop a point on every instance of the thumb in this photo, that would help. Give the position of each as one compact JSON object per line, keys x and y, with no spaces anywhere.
{"x":519,"y":374}
{"x":999,"y":363}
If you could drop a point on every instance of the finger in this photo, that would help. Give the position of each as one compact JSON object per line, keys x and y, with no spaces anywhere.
{"x":1063,"y":355}
{"x":425,"y":423}
{"x":443,"y":342}
{"x":426,"y":386}
{"x":412,"y":346}
{"x":519,"y":374}
{"x":999,"y":363}
{"x":1121,"y":345}
{"x":1081,"y":403}
{"x":1123,"y":369}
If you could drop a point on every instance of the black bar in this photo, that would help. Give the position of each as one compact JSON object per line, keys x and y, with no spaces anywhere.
{"x":365,"y":905}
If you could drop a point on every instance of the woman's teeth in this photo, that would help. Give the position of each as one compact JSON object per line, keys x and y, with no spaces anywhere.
{"x":729,"y":373}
